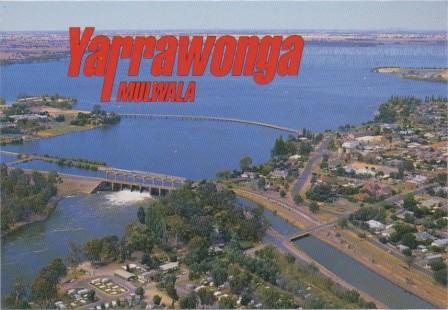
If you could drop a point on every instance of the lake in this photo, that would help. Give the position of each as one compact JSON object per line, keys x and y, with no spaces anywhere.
{"x":335,"y":87}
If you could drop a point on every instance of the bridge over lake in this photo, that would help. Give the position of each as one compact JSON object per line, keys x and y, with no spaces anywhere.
{"x":210,"y":118}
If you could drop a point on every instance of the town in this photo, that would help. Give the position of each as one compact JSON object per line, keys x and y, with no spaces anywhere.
{"x":376,"y":192}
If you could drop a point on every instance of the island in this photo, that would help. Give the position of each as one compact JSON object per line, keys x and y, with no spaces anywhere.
{"x":425,"y":74}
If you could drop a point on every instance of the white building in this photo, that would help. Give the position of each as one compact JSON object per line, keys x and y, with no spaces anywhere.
{"x":375,"y":225}
{"x":440,"y":243}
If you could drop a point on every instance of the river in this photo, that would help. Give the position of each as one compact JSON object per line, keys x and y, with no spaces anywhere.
{"x":77,"y":218}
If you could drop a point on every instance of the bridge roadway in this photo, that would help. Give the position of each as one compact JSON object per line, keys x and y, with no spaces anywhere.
{"x":210,"y":118}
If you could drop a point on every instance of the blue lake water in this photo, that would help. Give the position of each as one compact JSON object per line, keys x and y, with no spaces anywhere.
{"x":335,"y":87}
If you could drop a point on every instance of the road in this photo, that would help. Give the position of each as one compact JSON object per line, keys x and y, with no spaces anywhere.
{"x":316,"y":156}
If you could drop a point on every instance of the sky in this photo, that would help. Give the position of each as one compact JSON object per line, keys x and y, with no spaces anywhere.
{"x":225,"y":15}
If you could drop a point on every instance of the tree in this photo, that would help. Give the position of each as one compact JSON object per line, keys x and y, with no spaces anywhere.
{"x":141,"y":215}
{"x":261,"y":183}
{"x":280,"y":147}
{"x":156,"y":300}
{"x":170,"y":287}
{"x":343,"y":223}
{"x":18,"y":298}
{"x":409,"y":240}
{"x":440,"y":276}
{"x":92,"y":250}
{"x":240,"y":282}
{"x":43,"y":291}
{"x":140,"y":291}
{"x":314,"y":207}
{"x":297,"y":198}
{"x":91,"y":295}
{"x":227,"y":303}
{"x":273,"y":298}
{"x":188,"y":301}
{"x":409,"y":260}
{"x":437,"y":264}
{"x":206,"y":296}
{"x":282,"y":193}
{"x":407,"y":252}
{"x":351,"y":296}
{"x":219,"y":274}
{"x":409,"y":202}
{"x":74,"y":253}
{"x":245,"y":163}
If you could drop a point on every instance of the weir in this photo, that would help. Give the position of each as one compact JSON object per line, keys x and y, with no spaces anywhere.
{"x":117,"y":179}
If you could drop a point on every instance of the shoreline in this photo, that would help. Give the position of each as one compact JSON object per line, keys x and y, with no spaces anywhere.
{"x":70,"y":185}
{"x":52,"y":205}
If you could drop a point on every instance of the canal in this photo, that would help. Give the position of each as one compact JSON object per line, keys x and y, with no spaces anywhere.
{"x":346,"y":267}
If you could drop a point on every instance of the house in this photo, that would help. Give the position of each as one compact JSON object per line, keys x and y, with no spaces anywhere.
{"x":440,"y":243}
{"x":419,"y":179}
{"x":429,"y":203}
{"x":432,"y":258}
{"x":389,"y":229}
{"x":348,"y":145}
{"x":248,"y":175}
{"x":124,"y":274}
{"x":370,"y":139}
{"x":30,"y":117}
{"x":294,"y":157}
{"x":402,"y":247}
{"x":278,"y":174}
{"x":401,"y":214}
{"x":375,"y":225}
{"x":169,"y":266}
{"x":410,"y":185}
{"x":423,"y":236}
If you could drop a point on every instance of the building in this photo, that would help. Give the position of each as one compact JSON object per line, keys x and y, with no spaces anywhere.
{"x":375,"y":225}
{"x":423,"y":236}
{"x":370,"y":139}
{"x":430,"y":258}
{"x":440,"y":243}
{"x":278,"y":174}
{"x":169,"y":266}
{"x":348,"y":145}
{"x":124,"y":274}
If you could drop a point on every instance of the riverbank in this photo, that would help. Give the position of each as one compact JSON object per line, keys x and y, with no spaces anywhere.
{"x":368,"y":255}
{"x":51,"y":206}
{"x":385,"y":264}
{"x":69,"y":185}
{"x":288,"y":247}
{"x":285,"y":245}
